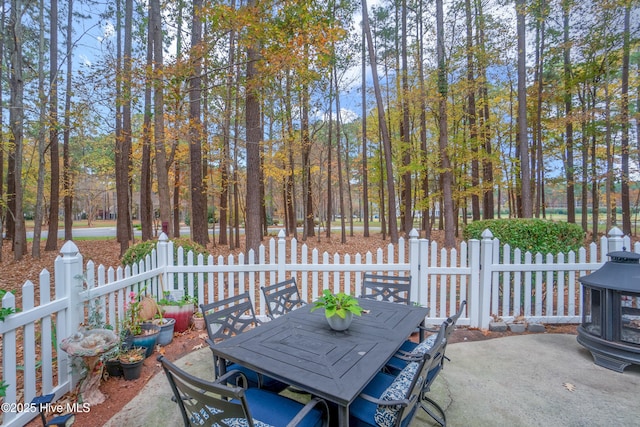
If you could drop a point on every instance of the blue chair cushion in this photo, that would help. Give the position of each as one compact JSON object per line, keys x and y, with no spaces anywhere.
{"x":422,"y":348}
{"x":395,"y":364}
{"x":274,"y":410}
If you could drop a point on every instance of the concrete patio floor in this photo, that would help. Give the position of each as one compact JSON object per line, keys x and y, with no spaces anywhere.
{"x":527,"y":380}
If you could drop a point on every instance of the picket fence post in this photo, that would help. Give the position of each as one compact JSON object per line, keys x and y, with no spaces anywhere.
{"x":162,"y":254}
{"x":414,"y":264}
{"x":282,"y":258}
{"x":483,"y":303}
{"x":615,"y":241}
{"x":474,"y":282}
{"x":72,"y":278}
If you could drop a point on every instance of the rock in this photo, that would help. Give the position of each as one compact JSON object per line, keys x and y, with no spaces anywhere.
{"x":498,"y":327}
{"x":536,"y":327}
{"x":517,"y":328}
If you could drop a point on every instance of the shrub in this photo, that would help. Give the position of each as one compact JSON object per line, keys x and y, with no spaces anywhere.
{"x":532,"y":235}
{"x":139,"y":251}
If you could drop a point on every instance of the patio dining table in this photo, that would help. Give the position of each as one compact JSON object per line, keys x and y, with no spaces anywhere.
{"x":301,"y":350}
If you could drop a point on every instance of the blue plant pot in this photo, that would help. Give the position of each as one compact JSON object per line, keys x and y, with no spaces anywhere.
{"x":166,"y":331}
{"x":148,"y":338}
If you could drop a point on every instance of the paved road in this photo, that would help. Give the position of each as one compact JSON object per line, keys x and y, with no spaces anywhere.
{"x":184,"y":231}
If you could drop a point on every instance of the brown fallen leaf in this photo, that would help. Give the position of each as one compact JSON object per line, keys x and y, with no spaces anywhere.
{"x":569,"y":386}
{"x":197,"y":347}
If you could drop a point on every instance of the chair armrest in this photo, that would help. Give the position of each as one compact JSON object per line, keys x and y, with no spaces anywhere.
{"x":380,"y":402}
{"x":425,"y":329}
{"x":307,"y":408}
{"x":233,"y":374}
{"x":407,"y":356}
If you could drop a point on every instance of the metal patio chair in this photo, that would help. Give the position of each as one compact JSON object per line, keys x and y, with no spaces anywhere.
{"x":282,"y":297}
{"x":223,"y":403}
{"x":387,"y":288}
{"x":226,"y":318}
{"x":392,"y":400}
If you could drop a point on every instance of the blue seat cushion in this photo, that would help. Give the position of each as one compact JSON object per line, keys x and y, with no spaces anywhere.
{"x":395,"y":364}
{"x":385,"y":387}
{"x":275,"y":410}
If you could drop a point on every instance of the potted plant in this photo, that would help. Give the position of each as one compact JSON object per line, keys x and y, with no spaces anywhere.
{"x":135,"y":332}
{"x":198,"y":320}
{"x":131,"y":361}
{"x":167,"y":325}
{"x":112,"y":362}
{"x":339,"y":309}
{"x":181,"y":309}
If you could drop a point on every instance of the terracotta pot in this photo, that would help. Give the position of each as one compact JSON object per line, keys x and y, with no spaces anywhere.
{"x":198,"y":323}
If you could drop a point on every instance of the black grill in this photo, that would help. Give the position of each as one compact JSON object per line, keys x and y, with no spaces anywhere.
{"x":610,"y":326}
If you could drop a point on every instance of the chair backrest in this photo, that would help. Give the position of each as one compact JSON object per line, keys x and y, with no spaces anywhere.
{"x":205,"y":403}
{"x":387,"y":288}
{"x":228,"y":317}
{"x":412,"y":381}
{"x":456,"y":316}
{"x":282,"y":297}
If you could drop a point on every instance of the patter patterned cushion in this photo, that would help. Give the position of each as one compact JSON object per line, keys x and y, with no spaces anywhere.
{"x":200,"y":418}
{"x":385,"y":416}
{"x":422,"y":348}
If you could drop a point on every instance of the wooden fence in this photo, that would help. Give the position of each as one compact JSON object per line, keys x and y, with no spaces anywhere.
{"x":496,"y":280}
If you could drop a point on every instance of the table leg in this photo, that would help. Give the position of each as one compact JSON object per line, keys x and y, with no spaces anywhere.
{"x":343,"y":416}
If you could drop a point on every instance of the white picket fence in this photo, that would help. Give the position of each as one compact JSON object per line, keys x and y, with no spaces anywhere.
{"x":535,"y":287}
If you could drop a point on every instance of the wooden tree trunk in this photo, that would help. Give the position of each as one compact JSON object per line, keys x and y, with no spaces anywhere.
{"x":54,"y":194}
{"x":199,"y":231}
{"x":67,"y":175}
{"x":571,"y":198}
{"x":253,"y":227}
{"x":446,"y":176}
{"x":525,"y":174}
{"x":42,"y":115}
{"x":624,"y":122}
{"x":384,"y":130}
{"x":146,"y":205}
{"x":162,"y":165}
{"x":16,"y":120}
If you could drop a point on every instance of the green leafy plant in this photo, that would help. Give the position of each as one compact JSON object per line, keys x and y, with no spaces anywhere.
{"x":530,"y":235}
{"x":132,"y":322}
{"x":3,"y":388}
{"x":337,"y":304}
{"x":6,"y":311}
{"x":167,"y":299}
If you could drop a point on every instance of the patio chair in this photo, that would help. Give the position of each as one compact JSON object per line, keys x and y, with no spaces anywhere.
{"x":392,"y":400}
{"x":282,"y":297}
{"x":218,"y":403}
{"x":387,"y":288}
{"x":40,"y":403}
{"x":226,"y":318}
